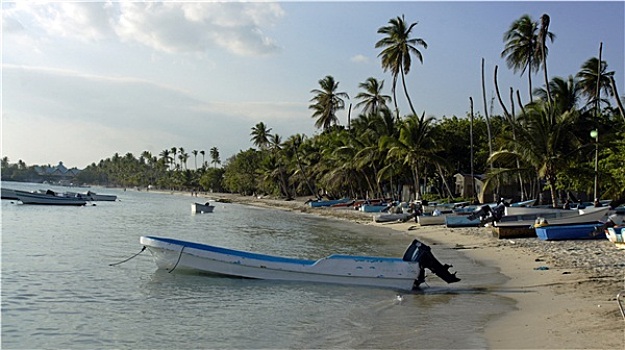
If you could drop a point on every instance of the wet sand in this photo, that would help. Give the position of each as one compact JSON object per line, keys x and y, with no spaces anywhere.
{"x":565,"y":291}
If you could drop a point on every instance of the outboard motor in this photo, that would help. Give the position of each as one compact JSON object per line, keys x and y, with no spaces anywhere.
{"x":419,"y":252}
{"x":487,"y":214}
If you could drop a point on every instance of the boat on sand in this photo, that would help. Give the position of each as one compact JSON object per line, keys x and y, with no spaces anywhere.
{"x":398,"y":273}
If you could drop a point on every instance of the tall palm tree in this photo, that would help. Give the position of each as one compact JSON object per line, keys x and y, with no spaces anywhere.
{"x":260,"y":135}
{"x":544,"y":141}
{"x":174,"y":151}
{"x":327,"y":101}
{"x":165,"y":156}
{"x":203,"y":153}
{"x":543,"y":35}
{"x":194,"y":152}
{"x":414,"y":147}
{"x":520,"y":48}
{"x":588,"y":77}
{"x":372,"y":99}
{"x":398,"y":47}
{"x":214,"y":153}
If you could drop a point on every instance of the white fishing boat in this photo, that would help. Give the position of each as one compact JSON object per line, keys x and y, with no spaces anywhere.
{"x":48,"y":198}
{"x":199,"y":208}
{"x":393,"y":217}
{"x":430,"y":219}
{"x":92,"y":196}
{"x":399,"y":273}
{"x":583,"y":216}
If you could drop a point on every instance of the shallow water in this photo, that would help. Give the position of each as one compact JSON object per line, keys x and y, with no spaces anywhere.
{"x":58,"y":290}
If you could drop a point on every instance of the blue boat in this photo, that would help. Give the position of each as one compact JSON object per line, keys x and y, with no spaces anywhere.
{"x":566,"y":232}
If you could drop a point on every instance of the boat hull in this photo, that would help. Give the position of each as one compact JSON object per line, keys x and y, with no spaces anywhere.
{"x":461,"y":221}
{"x":198,"y":208}
{"x":583,"y":216}
{"x":570,"y":232}
{"x":616,"y":236}
{"x":48,"y":199}
{"x":170,"y":254}
{"x":427,"y":220}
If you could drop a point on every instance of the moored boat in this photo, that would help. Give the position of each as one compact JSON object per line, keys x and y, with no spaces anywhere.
{"x":92,"y":196}
{"x":48,"y":198}
{"x":399,"y":273}
{"x":202,"y":208}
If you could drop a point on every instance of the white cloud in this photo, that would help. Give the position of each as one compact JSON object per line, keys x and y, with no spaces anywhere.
{"x":360,"y":59}
{"x":173,"y":27}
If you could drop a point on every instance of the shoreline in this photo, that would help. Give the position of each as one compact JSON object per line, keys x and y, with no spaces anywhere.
{"x":564,"y":291}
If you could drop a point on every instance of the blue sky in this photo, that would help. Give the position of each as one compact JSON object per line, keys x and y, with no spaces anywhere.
{"x":84,"y":80}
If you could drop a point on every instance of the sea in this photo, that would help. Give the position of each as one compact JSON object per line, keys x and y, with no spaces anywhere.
{"x":63,"y":286}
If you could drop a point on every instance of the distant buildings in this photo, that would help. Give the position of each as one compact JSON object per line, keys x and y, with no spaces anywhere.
{"x":58,"y":173}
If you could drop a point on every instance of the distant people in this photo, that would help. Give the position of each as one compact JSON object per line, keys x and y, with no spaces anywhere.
{"x":597,"y":203}
{"x":567,"y":204}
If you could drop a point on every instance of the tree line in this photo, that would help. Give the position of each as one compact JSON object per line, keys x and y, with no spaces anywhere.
{"x":544,"y":144}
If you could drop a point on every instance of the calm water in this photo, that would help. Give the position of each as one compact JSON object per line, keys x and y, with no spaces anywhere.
{"x":58,"y":290}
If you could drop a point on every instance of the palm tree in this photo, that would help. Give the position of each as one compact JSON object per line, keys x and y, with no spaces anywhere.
{"x":542,"y":43}
{"x":520,"y":48}
{"x":195,"y":156}
{"x":590,"y":75}
{"x":326,"y":102}
{"x":165,"y":156}
{"x":413,"y":148}
{"x":372,"y":99}
{"x":214,"y":153}
{"x":398,"y":47}
{"x":202,"y":152}
{"x":260,"y":135}
{"x":174,"y":151}
{"x":565,"y":93}
{"x":544,"y":141}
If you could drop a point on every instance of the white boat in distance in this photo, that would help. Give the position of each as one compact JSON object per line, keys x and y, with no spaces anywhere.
{"x":404,"y":274}
{"x":92,"y":196}
{"x":202,"y":208}
{"x":48,"y":198}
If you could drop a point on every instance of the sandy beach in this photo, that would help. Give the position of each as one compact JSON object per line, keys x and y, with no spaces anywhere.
{"x":565,"y":291}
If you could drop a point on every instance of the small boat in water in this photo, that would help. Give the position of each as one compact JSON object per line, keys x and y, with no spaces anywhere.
{"x":48,"y":198}
{"x":399,"y":273}
{"x":92,"y":196}
{"x":202,"y":208}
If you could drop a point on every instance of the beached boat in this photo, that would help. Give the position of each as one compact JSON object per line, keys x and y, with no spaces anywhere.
{"x":199,"y":208}
{"x":8,"y":193}
{"x":48,"y":198}
{"x":399,"y":273}
{"x":615,"y":235}
{"x":563,"y":217}
{"x":375,"y":208}
{"x":568,"y":232}
{"x":328,"y":203}
{"x":429,"y":219}
{"x":461,"y":221}
{"x":394,"y":217}
{"x":513,"y":232}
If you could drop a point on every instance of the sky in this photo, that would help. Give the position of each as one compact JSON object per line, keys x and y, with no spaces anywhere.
{"x":82,"y":81}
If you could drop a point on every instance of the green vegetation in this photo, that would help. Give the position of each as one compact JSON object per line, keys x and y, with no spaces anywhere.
{"x":545,"y":146}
